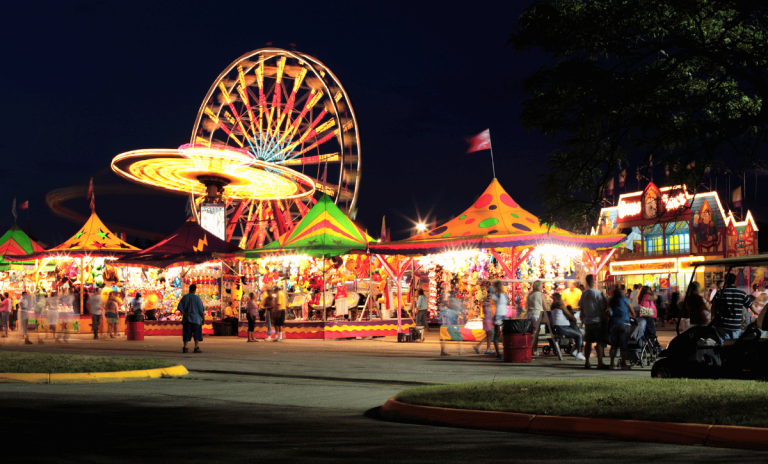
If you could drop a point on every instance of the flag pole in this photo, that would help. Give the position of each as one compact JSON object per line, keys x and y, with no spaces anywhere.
{"x":490,"y":145}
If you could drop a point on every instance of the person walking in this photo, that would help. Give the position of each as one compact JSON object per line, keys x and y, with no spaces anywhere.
{"x":714,"y":291}
{"x":536,"y":303}
{"x":26,"y":307}
{"x":729,"y":305}
{"x":621,"y":311}
{"x":270,"y":303}
{"x":422,"y":307}
{"x":137,"y":305}
{"x":594,"y":315}
{"x":500,"y":298}
{"x":40,"y":305}
{"x":633,"y":298}
{"x":191,"y":308}
{"x":5,"y":311}
{"x":252,"y":312}
{"x":561,"y":324}
{"x":647,"y":299}
{"x":487,"y":307}
{"x":95,"y":307}
{"x":111,"y":314}
{"x":52,"y":314}
{"x":278,"y":314}
{"x":695,"y":307}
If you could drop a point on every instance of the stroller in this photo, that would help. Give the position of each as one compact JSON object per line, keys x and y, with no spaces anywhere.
{"x":643,"y":347}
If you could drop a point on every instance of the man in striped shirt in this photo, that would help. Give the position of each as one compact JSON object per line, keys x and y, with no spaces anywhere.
{"x":728,"y":324}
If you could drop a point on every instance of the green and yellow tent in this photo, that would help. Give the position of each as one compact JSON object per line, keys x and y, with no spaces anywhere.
{"x":16,"y":242}
{"x":323,"y":233}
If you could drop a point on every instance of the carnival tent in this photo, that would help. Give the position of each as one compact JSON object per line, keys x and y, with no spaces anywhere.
{"x":16,"y":242}
{"x":495,"y":220}
{"x":324,"y":232}
{"x":92,"y":240}
{"x":189,"y":245}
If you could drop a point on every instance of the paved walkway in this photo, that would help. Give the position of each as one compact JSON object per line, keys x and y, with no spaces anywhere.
{"x":292,"y":401}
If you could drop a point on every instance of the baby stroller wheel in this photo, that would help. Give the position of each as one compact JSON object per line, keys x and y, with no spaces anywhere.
{"x":546,"y":350}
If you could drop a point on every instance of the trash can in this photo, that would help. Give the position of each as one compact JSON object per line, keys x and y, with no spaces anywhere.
{"x":134,"y":330}
{"x":417,"y":333}
{"x":516,"y":339}
{"x":221,"y":328}
{"x":134,"y":327}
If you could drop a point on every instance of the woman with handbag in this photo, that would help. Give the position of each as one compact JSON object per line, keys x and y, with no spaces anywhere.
{"x":647,"y":311}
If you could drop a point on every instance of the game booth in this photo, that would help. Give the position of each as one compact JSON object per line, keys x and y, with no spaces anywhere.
{"x":332,"y":286}
{"x":672,"y":229}
{"x":163,"y":273}
{"x":83,"y":261}
{"x":494,"y":239}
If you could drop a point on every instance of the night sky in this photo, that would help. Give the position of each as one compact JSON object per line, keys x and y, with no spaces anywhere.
{"x":86,"y":81}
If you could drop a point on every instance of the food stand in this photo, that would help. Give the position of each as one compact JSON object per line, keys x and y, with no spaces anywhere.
{"x":497,"y":239}
{"x":319,"y":259}
{"x":84,"y":261}
{"x":674,"y":229}
{"x":164,"y":272}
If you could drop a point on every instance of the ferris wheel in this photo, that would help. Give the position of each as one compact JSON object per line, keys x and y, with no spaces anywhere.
{"x":287,"y":110}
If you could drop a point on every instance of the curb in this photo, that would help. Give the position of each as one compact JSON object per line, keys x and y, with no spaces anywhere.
{"x":97,"y":377}
{"x":721,"y":436}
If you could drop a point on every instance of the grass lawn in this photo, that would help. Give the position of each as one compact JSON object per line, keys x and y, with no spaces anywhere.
{"x":19,"y":362}
{"x":729,"y":402}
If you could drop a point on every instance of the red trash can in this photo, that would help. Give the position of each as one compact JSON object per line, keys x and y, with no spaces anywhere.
{"x":517,"y":348}
{"x":134,"y":330}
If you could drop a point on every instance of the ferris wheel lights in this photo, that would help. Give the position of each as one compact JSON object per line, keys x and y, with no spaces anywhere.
{"x":280,"y":68}
{"x":299,"y":79}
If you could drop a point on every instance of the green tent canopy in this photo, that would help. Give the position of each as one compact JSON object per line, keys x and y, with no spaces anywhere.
{"x":323,"y":233}
{"x":16,"y":242}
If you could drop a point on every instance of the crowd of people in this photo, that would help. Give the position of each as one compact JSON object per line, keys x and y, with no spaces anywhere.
{"x":619,"y":317}
{"x":49,"y":308}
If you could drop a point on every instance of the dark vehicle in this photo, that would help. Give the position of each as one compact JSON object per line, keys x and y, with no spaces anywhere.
{"x":699,"y":353}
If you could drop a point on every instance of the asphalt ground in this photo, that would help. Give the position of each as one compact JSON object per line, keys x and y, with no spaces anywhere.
{"x":296,"y":400}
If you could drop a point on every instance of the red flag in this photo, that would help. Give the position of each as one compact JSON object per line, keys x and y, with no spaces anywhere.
{"x":389,"y":235}
{"x":90,"y":189}
{"x":383,"y":235}
{"x":481,"y":141}
{"x":24,"y":205}
{"x":736,"y":197}
{"x":622,"y":178}
{"x":93,"y":203}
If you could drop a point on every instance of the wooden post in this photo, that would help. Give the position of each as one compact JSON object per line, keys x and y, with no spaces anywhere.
{"x":82,"y":285}
{"x":322,"y":292}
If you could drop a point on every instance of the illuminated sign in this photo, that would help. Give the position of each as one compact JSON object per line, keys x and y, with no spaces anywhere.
{"x":652,"y":203}
{"x":648,"y":266}
{"x":213,"y":218}
{"x":687,"y":264}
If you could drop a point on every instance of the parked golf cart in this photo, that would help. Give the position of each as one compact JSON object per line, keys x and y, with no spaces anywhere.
{"x":698,"y":352}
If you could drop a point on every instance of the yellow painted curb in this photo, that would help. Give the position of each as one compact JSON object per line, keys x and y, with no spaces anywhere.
{"x":613,"y":429}
{"x":97,"y":377}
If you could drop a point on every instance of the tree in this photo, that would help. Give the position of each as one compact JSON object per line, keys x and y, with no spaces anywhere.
{"x":669,"y":82}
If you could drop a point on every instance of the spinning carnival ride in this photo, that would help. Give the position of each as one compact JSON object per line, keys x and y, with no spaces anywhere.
{"x":275,"y":131}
